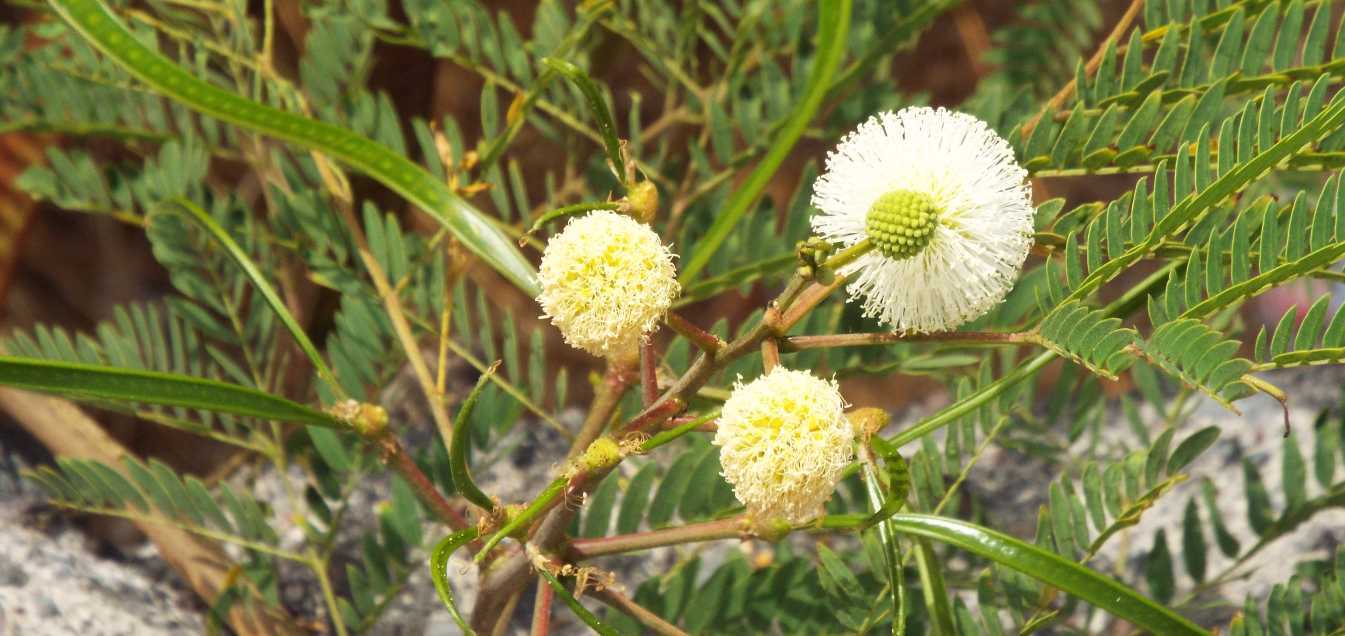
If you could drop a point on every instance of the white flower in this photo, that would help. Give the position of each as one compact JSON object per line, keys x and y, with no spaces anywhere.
{"x":784,"y":442}
{"x":606,"y":281}
{"x":946,"y":206}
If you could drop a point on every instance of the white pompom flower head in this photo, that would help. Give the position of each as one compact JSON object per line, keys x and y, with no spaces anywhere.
{"x":945,"y":206}
{"x":784,"y":441}
{"x":606,"y":281}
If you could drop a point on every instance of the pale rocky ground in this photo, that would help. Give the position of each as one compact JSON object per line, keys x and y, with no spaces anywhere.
{"x":54,"y":580}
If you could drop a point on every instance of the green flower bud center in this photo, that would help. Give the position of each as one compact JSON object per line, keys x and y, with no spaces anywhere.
{"x":901,"y":223}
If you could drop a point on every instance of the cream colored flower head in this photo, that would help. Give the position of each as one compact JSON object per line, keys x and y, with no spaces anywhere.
{"x":783,"y":442}
{"x":606,"y":280}
{"x":946,"y":207}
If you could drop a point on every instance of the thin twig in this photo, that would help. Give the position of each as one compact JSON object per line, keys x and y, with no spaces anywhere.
{"x":581,"y":549}
{"x":541,"y":610}
{"x":340,"y":190}
{"x":648,"y":372}
{"x":703,"y":339}
{"x":770,"y":354}
{"x":799,"y":343}
{"x":396,"y":458}
{"x":1091,"y":67}
{"x":647,"y":618}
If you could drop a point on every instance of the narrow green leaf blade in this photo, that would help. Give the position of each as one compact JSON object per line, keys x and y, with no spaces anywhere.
{"x":1072,"y":578}
{"x":150,"y":387}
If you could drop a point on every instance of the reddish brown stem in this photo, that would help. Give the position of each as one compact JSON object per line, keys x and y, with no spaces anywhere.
{"x":706,"y":341}
{"x":541,"y":609}
{"x":708,"y":427}
{"x":798,"y":343}
{"x":806,"y":301}
{"x":507,"y":575}
{"x":395,"y":456}
{"x":605,"y":402}
{"x":647,"y":618}
{"x":770,"y":354}
{"x":653,"y":416}
{"x":581,"y":549}
{"x":648,"y":372}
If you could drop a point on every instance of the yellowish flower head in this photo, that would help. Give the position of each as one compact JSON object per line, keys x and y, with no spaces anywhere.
{"x":606,"y":280}
{"x":783,"y":441}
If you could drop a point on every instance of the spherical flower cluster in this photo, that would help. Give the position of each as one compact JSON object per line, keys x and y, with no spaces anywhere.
{"x":945,"y":206}
{"x":606,"y":281}
{"x":784,"y":442}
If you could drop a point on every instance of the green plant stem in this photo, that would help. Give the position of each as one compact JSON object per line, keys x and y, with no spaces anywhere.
{"x":263,"y":287}
{"x":319,"y":569}
{"x":507,"y":575}
{"x":971,"y":463}
{"x":575,"y":606}
{"x":974,"y":401}
{"x":518,"y":111}
{"x":1120,"y":307}
{"x":1281,"y":527}
{"x":850,"y":254}
{"x":1078,"y":581}
{"x":575,"y":208}
{"x":933,"y":587}
{"x":896,"y":579}
{"x":102,"y":29}
{"x":544,"y":502}
{"x":457,"y":454}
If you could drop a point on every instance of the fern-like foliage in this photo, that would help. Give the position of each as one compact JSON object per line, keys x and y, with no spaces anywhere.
{"x":150,"y":337}
{"x":1200,"y":357}
{"x":1152,"y":94}
{"x":1088,"y":337}
{"x":1297,"y":608}
{"x":154,"y":490}
{"x":1314,"y":342}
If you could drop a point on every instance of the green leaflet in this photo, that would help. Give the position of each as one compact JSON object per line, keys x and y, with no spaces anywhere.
{"x":1071,"y":578}
{"x":95,"y":22}
{"x":130,"y":385}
